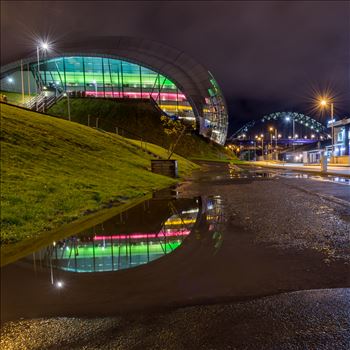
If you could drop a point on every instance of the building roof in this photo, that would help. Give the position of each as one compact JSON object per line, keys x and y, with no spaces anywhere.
{"x":189,"y":75}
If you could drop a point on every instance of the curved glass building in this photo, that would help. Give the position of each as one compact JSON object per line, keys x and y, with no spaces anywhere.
{"x":123,"y":67}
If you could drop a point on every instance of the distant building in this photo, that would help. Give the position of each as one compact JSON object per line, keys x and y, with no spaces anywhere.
{"x":341,"y":140}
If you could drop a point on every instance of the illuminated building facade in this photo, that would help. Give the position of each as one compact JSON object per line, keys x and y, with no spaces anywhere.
{"x":122,"y":67}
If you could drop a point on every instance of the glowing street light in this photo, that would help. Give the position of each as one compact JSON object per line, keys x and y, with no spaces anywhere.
{"x":10,"y":80}
{"x":42,"y":46}
{"x":324,"y":103}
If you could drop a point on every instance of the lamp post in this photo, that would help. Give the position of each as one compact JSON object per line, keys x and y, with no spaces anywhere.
{"x":44,"y":46}
{"x":293,"y":137}
{"x":324,"y":103}
{"x":68,"y":104}
{"x":271,"y":129}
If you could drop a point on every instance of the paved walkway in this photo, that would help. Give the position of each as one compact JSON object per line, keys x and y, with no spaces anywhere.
{"x":332,"y":170}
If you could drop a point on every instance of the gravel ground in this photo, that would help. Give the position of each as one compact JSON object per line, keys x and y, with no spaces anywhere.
{"x":317,"y":319}
{"x":283,"y":212}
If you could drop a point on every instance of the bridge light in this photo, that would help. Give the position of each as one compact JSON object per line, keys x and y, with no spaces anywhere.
{"x":312,"y":136}
{"x":287,"y":119}
{"x":279,"y":136}
{"x":296,"y":136}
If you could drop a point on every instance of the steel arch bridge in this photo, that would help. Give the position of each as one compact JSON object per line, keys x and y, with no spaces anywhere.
{"x":299,"y":118}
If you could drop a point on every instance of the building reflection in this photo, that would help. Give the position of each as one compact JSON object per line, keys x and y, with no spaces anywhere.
{"x":136,"y":237}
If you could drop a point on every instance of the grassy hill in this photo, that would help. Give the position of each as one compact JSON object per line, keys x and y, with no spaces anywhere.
{"x":140,"y":118}
{"x":15,"y":97}
{"x":53,"y":172}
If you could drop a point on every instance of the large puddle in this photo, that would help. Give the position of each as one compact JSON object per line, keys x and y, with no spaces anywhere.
{"x":153,"y":230}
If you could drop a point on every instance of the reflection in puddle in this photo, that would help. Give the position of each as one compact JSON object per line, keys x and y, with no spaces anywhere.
{"x":138,"y":236}
{"x":336,"y":179}
{"x":237,"y":173}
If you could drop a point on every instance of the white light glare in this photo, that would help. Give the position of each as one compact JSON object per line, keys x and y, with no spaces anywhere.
{"x":45,"y":45}
{"x":59,"y":284}
{"x":10,"y":80}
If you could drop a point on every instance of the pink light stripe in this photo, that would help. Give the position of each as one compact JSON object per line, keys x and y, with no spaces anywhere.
{"x":166,"y":96}
{"x":144,"y":235}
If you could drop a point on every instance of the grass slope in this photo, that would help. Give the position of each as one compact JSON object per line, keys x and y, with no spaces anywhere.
{"x":15,"y":97}
{"x":53,"y":171}
{"x":138,"y":117}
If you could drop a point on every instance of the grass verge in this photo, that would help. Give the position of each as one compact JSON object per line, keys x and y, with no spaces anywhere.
{"x":54,"y":172}
{"x":135,"y":117}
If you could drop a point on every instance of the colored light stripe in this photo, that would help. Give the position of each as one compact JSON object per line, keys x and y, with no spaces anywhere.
{"x":144,"y":235}
{"x":87,"y":252}
{"x":163,"y":96}
{"x":174,"y":108}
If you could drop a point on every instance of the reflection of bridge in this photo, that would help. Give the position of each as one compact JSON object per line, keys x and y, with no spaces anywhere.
{"x":317,"y":129}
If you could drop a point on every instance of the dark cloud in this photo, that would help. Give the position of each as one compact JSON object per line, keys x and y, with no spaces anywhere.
{"x":266,"y":56}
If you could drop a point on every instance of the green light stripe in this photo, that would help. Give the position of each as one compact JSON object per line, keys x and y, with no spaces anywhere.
{"x":87,"y":252}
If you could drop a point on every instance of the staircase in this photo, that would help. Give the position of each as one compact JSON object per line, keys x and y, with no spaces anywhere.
{"x":43,"y":101}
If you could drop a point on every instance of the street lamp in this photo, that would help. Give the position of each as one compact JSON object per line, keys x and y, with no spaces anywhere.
{"x":43,"y":46}
{"x":271,"y":129}
{"x":324,"y":103}
{"x":262,"y":144}
{"x":68,"y":104}
{"x":288,"y":119}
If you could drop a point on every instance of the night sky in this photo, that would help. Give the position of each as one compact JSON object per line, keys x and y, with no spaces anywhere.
{"x":266,"y":56}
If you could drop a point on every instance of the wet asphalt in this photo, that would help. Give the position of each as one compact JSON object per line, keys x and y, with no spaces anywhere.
{"x":277,"y":280}
{"x":317,"y":319}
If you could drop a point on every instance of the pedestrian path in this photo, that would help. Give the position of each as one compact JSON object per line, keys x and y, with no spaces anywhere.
{"x":332,"y":169}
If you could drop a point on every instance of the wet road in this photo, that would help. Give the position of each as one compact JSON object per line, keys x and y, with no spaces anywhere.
{"x":274,"y":233}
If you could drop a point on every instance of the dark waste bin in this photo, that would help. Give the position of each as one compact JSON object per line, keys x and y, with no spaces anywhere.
{"x":167,"y":167}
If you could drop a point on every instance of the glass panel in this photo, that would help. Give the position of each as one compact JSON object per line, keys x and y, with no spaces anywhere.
{"x":107,"y":77}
